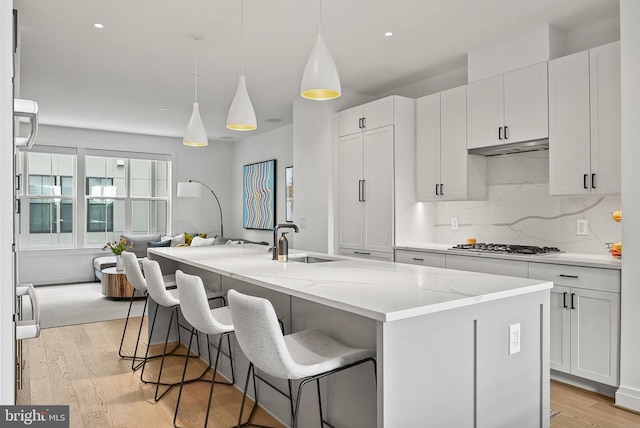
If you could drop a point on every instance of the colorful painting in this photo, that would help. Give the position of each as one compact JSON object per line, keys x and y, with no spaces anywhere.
{"x":259,"y":199}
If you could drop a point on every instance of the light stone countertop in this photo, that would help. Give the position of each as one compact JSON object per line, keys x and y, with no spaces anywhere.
{"x":379,"y":290}
{"x":574,"y":259}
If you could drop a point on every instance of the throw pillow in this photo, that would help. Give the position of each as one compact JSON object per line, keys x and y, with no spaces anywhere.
{"x":189,"y":236}
{"x":220,"y":240}
{"x":175,"y":240}
{"x":199,"y":241}
{"x":154,"y":244}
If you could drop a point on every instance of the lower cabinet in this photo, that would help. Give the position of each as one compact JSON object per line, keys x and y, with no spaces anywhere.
{"x":420,"y":258}
{"x":585,"y":321}
{"x":365,"y":254}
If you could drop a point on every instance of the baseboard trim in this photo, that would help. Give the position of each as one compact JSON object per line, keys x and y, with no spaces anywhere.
{"x":628,"y":398}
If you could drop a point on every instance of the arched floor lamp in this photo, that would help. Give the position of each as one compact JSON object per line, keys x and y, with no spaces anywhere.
{"x":191,"y":189}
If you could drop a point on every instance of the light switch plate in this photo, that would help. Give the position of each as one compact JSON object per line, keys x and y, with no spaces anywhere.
{"x":582,"y":227}
{"x":454,"y":223}
{"x":514,"y":338}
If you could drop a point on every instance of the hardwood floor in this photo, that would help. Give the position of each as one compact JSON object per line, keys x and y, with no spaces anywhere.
{"x":79,"y":366}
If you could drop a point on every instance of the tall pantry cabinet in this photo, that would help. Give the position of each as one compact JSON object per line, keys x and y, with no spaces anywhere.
{"x":584,"y":122}
{"x":369,"y":138}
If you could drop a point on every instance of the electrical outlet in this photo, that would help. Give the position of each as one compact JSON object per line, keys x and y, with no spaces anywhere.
{"x":454,"y":223}
{"x":514,"y":339}
{"x":303,"y":222}
{"x":582,"y":227}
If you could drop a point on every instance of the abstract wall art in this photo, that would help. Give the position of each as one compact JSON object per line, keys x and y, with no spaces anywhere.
{"x":259,"y":199}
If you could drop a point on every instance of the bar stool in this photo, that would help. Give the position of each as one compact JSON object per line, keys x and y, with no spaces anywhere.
{"x":168,"y":299}
{"x":307,"y":356}
{"x":136,"y":279}
{"x":196,"y":311}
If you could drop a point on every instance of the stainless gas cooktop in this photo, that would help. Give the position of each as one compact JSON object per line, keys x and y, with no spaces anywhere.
{"x":525,"y":250}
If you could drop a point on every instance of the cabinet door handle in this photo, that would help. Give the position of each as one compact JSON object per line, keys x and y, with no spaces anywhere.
{"x":364,"y":190}
{"x":362,"y":253}
{"x":417,"y":259}
{"x":441,"y":189}
{"x":584,"y":181}
{"x":437,"y":189}
{"x":359,"y":190}
{"x":360,"y":122}
{"x":500,"y":133}
{"x":564,"y":299}
{"x":593,"y":181}
{"x":506,"y":132}
{"x":364,"y":123}
{"x":573,"y":306}
{"x":568,"y":276}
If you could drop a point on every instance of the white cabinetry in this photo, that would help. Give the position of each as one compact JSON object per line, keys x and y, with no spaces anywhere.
{"x":367,"y":141}
{"x":444,"y":170}
{"x":420,"y":258}
{"x":508,"y":108}
{"x":585,"y":320}
{"x":584,"y":122}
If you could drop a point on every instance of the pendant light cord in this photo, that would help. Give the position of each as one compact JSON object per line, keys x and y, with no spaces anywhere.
{"x":242,"y":37}
{"x":195,"y":81}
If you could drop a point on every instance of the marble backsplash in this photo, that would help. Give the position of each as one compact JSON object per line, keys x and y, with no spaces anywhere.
{"x":519,"y":210}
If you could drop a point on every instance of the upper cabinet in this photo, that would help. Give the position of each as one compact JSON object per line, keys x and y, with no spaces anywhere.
{"x":444,"y":170}
{"x":375,"y":114}
{"x":584,"y":122}
{"x":508,"y":108}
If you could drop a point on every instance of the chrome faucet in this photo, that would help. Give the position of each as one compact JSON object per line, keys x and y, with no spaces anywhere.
{"x":274,"y":249}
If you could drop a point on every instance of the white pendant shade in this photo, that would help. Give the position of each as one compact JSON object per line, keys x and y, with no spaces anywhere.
{"x":320,"y":80}
{"x":241,"y":116}
{"x":195,"y":135}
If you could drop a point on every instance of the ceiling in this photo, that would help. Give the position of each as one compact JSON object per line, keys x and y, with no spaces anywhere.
{"x":137,"y":73}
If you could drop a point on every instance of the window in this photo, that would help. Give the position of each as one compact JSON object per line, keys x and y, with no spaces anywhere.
{"x":49,"y":199}
{"x":123,"y":193}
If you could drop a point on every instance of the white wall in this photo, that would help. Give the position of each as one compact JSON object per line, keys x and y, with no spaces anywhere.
{"x":7,"y":362}
{"x":628,"y":394}
{"x":275,"y":144}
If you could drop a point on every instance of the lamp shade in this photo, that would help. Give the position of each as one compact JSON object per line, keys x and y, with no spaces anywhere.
{"x":189,"y":189}
{"x":320,"y":80}
{"x":241,"y":116}
{"x":194,"y":134}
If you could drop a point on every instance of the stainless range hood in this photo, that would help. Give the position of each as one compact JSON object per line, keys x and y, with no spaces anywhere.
{"x":511,"y":148}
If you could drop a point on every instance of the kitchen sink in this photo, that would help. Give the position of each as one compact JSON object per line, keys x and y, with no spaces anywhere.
{"x":311,"y":259}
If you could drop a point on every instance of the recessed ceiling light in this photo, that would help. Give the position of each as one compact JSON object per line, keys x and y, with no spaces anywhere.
{"x":388,"y":34}
{"x":226,"y":138}
{"x":163,"y":109}
{"x":97,"y":25}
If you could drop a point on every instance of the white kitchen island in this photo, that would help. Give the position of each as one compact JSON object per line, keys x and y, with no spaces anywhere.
{"x":442,"y":337}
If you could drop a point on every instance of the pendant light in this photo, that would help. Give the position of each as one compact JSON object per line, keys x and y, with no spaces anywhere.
{"x":194,"y":134}
{"x":320,"y":80}
{"x":241,"y":116}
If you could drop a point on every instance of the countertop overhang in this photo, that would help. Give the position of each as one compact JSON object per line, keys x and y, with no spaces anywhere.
{"x":383,"y":291}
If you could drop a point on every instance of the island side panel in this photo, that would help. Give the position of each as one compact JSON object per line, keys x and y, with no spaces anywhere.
{"x":453,"y":368}
{"x":426,"y":371}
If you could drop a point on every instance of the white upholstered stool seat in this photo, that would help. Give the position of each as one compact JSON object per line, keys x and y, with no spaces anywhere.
{"x":167,"y":299}
{"x":305,"y":356}
{"x":136,"y":278}
{"x":196,"y":311}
